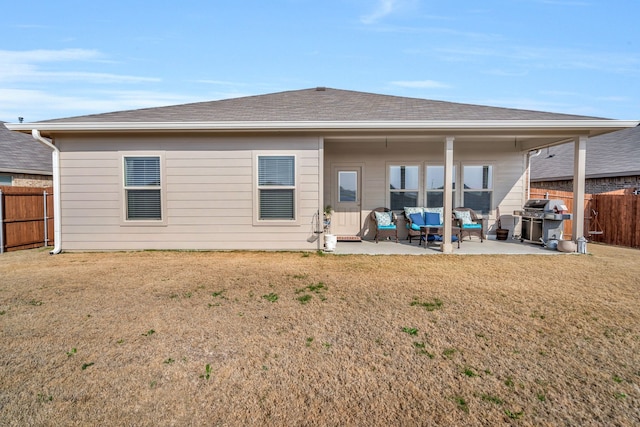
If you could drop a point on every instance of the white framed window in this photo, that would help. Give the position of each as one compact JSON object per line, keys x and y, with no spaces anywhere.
{"x":477,"y":187}
{"x":276,"y":187}
{"x":434,"y":186}
{"x":142,"y":177}
{"x":404,"y":186}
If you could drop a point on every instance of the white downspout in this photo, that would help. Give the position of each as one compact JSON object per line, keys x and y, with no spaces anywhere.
{"x":57,"y":220}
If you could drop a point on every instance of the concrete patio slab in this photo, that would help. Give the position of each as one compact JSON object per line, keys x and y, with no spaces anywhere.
{"x":467,"y":247}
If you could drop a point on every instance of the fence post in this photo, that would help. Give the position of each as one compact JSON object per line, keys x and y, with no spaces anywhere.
{"x":46,"y":220}
{"x":1,"y":223}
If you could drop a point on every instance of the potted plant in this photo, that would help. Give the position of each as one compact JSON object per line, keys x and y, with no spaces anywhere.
{"x":329,"y":239}
{"x":501,"y":233}
{"x":328,"y":211}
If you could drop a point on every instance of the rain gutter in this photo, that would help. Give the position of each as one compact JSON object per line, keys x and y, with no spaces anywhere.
{"x":57,"y":214}
{"x":345,"y":125}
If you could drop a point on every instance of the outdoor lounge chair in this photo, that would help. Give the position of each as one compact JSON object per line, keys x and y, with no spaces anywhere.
{"x":416,"y":217}
{"x":386,"y":223}
{"x":469,"y":222}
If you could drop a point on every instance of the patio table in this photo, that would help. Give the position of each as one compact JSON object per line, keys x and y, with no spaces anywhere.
{"x":426,"y":230}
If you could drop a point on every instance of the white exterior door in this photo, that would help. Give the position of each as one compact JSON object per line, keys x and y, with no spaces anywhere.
{"x":347,"y":200}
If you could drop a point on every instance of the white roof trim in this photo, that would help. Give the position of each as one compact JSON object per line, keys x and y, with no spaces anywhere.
{"x":327,"y":125}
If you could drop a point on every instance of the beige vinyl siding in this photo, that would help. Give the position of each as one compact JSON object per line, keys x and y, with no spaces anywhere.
{"x":377,"y":154}
{"x":208,"y":190}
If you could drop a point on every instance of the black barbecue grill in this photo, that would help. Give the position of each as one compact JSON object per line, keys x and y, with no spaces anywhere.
{"x":542,"y":220}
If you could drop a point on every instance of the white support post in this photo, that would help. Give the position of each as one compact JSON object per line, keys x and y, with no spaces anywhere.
{"x":447,"y":199}
{"x":579,"y":166}
{"x":321,"y":202}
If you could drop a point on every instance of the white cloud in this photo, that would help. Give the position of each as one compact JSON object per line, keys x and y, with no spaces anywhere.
{"x":384,"y":8}
{"x":35,"y":105}
{"x":525,"y":58}
{"x":43,"y":55}
{"x":26,"y":66}
{"x":420,"y":84}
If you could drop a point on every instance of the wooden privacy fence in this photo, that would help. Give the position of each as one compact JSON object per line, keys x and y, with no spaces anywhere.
{"x":616,"y":222}
{"x":26,"y":218}
{"x":618,"y":219}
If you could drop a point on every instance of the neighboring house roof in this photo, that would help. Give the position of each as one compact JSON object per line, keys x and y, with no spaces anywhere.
{"x":609,"y":155}
{"x":20,"y":153}
{"x":320,"y":104}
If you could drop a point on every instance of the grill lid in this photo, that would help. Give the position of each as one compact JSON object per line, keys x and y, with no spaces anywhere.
{"x":536,"y":204}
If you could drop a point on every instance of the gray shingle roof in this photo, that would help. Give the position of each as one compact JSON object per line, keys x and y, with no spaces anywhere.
{"x":320,"y":104}
{"x":20,"y":153}
{"x":612,"y":154}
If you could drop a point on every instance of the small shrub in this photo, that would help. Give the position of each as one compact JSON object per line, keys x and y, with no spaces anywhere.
{"x":72,"y":352}
{"x":149,"y":333}
{"x":86,"y":365}
{"x":410,"y":331}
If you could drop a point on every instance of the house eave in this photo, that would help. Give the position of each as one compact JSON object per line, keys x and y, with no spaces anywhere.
{"x":589,"y":127}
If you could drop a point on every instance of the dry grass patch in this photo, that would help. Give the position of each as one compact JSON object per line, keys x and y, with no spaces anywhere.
{"x":245,"y":338}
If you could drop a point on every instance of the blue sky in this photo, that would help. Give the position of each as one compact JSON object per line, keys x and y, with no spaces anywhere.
{"x":65,"y":58}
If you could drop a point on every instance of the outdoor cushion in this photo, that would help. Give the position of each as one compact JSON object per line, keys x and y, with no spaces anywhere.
{"x":439,"y":211}
{"x":472,"y":225}
{"x":417,"y":219}
{"x":387,"y":227}
{"x":383,"y":219}
{"x":432,"y":218}
{"x":411,"y":210}
{"x":465,"y":218}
